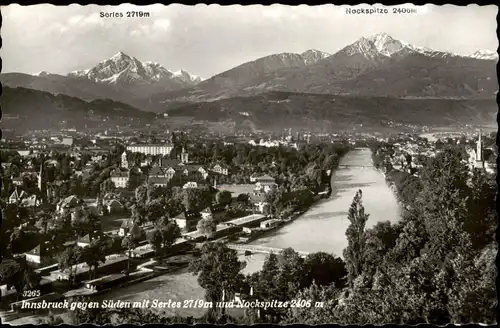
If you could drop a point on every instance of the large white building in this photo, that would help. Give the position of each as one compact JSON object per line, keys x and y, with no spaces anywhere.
{"x":150,"y":149}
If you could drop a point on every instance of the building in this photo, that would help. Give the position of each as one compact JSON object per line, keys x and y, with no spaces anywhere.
{"x":39,"y":256}
{"x":157,"y":172}
{"x":479,"y":164}
{"x":17,"y":196}
{"x":84,"y":241}
{"x":105,"y":282}
{"x":184,"y":156}
{"x":40,"y":177}
{"x":269,"y":223}
{"x":213,"y":212}
{"x":151,"y":149}
{"x":18,"y":181}
{"x":30,"y":201}
{"x":221,"y":169}
{"x":159,"y":181}
{"x":187,"y":221}
{"x":265,"y":184}
{"x":120,"y":178}
{"x":124,"y":162}
{"x":67,"y":203}
{"x":128,"y":227}
{"x":259,"y":203}
{"x":190,"y":185}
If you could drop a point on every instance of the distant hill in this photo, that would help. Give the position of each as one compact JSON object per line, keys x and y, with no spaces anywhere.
{"x":277,"y":110}
{"x":41,"y":110}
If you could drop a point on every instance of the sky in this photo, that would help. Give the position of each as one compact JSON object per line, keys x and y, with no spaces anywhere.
{"x":208,"y":39}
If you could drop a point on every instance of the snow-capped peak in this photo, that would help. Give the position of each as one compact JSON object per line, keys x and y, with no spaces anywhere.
{"x":42,"y":73}
{"x":383,"y":44}
{"x":122,"y":68}
{"x":484,"y":54}
{"x":120,"y":56}
{"x":312,"y":56}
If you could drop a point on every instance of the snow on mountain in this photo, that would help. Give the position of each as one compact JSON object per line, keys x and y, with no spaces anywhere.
{"x":383,"y":44}
{"x":42,"y":73}
{"x":186,"y":77}
{"x":124,"y":69}
{"x":313,"y":56}
{"x":485,"y":54}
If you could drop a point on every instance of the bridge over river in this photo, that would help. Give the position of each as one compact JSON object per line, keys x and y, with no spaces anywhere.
{"x":260,"y":249}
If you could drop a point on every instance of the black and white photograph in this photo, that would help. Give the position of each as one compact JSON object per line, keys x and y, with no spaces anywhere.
{"x":279,"y":164}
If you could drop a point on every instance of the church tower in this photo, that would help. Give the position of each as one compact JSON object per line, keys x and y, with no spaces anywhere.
{"x":184,"y":156}
{"x":479,"y":152}
{"x":124,"y":162}
{"x":40,"y":176}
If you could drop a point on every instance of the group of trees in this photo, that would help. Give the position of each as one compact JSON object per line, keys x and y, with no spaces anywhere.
{"x":436,"y":265}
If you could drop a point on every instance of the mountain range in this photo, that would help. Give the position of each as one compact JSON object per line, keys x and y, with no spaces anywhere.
{"x":376,"y":67}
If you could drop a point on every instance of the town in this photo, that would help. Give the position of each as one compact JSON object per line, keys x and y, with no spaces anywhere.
{"x":82,"y":217}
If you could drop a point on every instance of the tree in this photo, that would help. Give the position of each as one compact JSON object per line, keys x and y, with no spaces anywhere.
{"x":67,"y":261}
{"x":380,"y":239}
{"x":196,"y":199}
{"x":170,"y":232}
{"x":442,"y":204}
{"x":141,"y":194}
{"x":154,"y":210}
{"x":207,"y":226}
{"x":156,"y":240}
{"x":93,"y":255}
{"x":129,"y":243}
{"x":354,"y":254}
{"x":12,"y":273}
{"x":314,"y":315}
{"x":223,"y":197}
{"x":218,"y":270}
{"x":323,"y":269}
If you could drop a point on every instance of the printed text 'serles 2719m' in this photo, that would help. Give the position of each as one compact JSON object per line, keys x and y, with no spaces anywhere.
{"x":127,"y":14}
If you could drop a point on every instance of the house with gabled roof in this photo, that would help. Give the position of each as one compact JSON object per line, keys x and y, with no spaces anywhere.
{"x":39,"y":255}
{"x":187,"y":221}
{"x":120,"y":177}
{"x":18,"y":181}
{"x":129,"y":227}
{"x":215,"y":212}
{"x":17,"y":196}
{"x":67,"y":203}
{"x":159,"y":181}
{"x":84,"y":241}
{"x":157,"y":172}
{"x":30,"y":201}
{"x":259,"y":202}
{"x":221,"y":168}
{"x":190,"y":185}
{"x":265,"y":184}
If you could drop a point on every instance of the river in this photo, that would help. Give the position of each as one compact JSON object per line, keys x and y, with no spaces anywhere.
{"x":321,"y":228}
